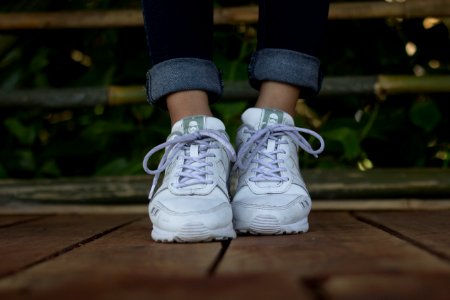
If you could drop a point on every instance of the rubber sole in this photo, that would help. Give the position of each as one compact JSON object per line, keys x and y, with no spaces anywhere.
{"x":269,"y":225}
{"x":193,"y":233}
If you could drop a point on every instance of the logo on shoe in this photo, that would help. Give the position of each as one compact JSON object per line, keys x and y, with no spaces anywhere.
{"x":271,"y":117}
{"x":193,"y":124}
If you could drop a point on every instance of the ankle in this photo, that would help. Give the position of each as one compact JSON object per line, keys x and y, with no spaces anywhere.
{"x":277,"y":95}
{"x":187,"y":103}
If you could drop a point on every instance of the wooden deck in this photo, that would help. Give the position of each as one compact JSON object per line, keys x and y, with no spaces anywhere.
{"x":346,"y":255}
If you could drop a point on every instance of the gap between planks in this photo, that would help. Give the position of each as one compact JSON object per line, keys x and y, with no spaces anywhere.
{"x":438,"y":244}
{"x":9,"y":221}
{"x":28,"y":245}
{"x":331,"y":284}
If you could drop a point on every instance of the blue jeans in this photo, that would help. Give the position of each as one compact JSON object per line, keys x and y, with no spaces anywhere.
{"x":179,"y":35}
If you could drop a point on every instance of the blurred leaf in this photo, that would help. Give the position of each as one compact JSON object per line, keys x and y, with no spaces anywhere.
{"x":228,"y":111}
{"x":142,"y":112}
{"x":12,"y":56}
{"x":50,"y":168}
{"x":3,"y":173}
{"x":39,"y":61}
{"x":11,"y":80}
{"x":348,"y":138}
{"x":425,"y":114}
{"x":26,"y":135}
{"x":101,"y":127}
{"x":114,"y":167}
{"x":25,"y":160}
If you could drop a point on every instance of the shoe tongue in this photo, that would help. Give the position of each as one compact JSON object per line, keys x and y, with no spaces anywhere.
{"x":194,"y":123}
{"x":190,"y":125}
{"x":259,"y":118}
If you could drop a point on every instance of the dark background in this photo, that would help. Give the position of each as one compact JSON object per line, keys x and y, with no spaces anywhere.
{"x":402,"y":131}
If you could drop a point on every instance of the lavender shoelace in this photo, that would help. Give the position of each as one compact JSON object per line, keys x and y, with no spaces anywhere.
{"x":193,"y":169}
{"x":268,"y":166}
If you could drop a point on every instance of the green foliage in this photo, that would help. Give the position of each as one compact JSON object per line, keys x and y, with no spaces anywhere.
{"x":403,"y":131}
{"x":347,"y":138}
{"x":25,"y":134}
{"x":425,"y":114}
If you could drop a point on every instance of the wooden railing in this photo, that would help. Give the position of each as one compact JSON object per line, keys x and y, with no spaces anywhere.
{"x":381,"y":86}
{"x":378,"y":85}
{"x":222,"y":16}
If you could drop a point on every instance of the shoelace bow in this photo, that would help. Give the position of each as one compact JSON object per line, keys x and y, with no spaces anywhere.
{"x":269,"y":170}
{"x":193,"y":169}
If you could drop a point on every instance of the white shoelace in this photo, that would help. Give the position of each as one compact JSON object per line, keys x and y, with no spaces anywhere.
{"x":268,"y":166}
{"x":194,"y":169}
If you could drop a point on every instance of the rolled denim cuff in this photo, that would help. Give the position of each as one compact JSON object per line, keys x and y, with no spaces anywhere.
{"x":183,"y":74}
{"x":287,"y":66}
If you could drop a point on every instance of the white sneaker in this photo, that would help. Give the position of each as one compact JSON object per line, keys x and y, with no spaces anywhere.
{"x":192,"y":204}
{"x":271,"y":196}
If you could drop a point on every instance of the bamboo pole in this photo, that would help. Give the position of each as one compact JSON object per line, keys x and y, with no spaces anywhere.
{"x":403,"y":84}
{"x":380,"y":86}
{"x":222,"y":16}
{"x":54,"y":98}
{"x":125,"y":95}
{"x":375,"y":10}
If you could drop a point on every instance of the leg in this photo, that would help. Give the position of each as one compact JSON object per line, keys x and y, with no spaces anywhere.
{"x":179,"y":35}
{"x":286,"y":63}
{"x":278,"y":95}
{"x":271,"y":196}
{"x":187,"y":103}
{"x":192,"y":203}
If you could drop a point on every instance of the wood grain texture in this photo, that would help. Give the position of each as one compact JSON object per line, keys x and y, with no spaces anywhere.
{"x":131,"y":286}
{"x":430,"y":229}
{"x":336,"y":244}
{"x":222,"y":16}
{"x":322,"y":184}
{"x":387,"y":286}
{"x":28,"y":243}
{"x":126,"y":251}
{"x":7,"y":221}
{"x":341,"y":257}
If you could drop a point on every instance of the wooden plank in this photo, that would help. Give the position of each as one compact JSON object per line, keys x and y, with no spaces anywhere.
{"x":392,"y":9}
{"x":7,"y":221}
{"x":82,"y":208}
{"x":426,"y":228}
{"x":336,"y":244}
{"x":128,"y":250}
{"x":29,"y":243}
{"x":128,"y":285}
{"x":322,"y":184}
{"x":63,"y":190}
{"x":379,"y":183}
{"x":387,"y":286}
{"x":222,"y":16}
{"x":378,"y":85}
{"x":380,"y":204}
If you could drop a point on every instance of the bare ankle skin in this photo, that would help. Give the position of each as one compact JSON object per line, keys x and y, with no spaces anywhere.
{"x":187,"y":103}
{"x":278,"y":95}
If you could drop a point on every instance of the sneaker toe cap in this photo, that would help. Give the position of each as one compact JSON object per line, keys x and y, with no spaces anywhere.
{"x":175,"y":214}
{"x":284,"y":209}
